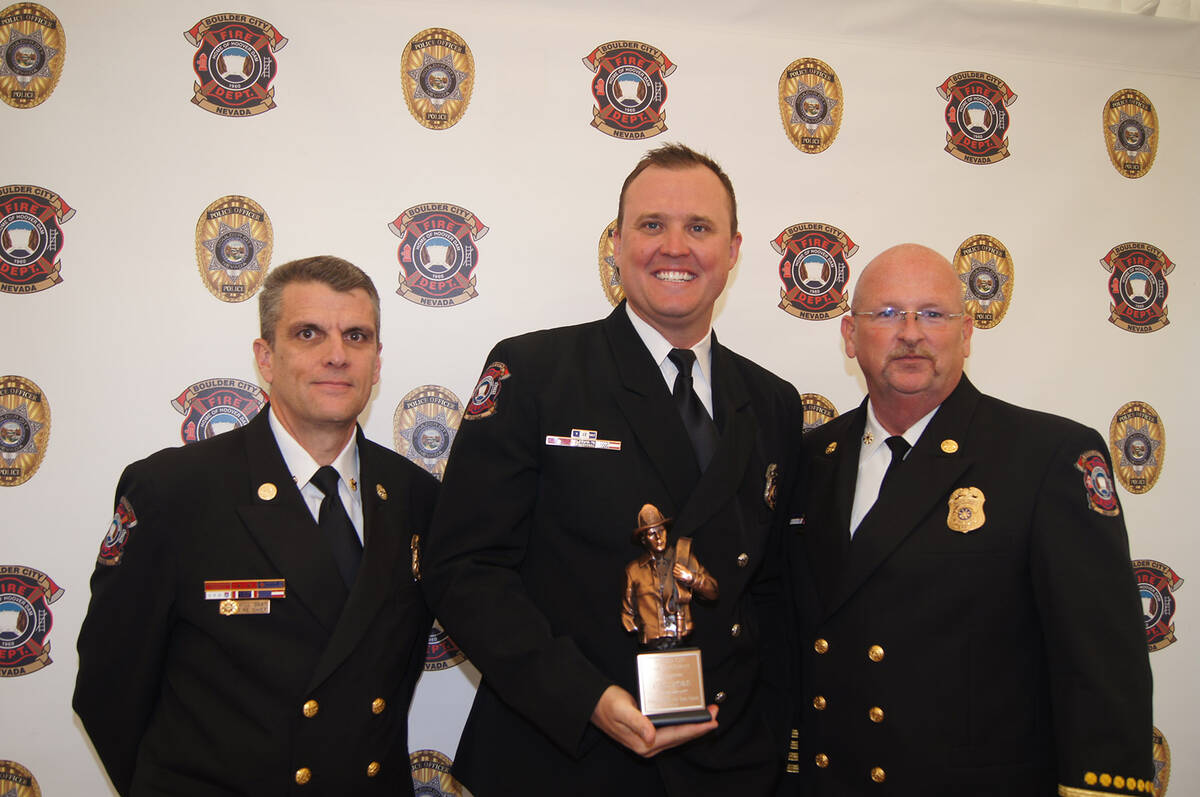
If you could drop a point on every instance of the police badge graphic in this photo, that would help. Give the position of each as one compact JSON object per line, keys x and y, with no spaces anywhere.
{"x":1137,"y":444}
{"x":17,"y":781}
{"x":977,"y":115}
{"x":431,"y":775}
{"x":986,"y":270}
{"x":1130,"y":132}
{"x":817,"y":410}
{"x":440,"y":652}
{"x":33,"y":47}
{"x":810,"y":104}
{"x":1162,"y":764}
{"x":25,"y":619}
{"x":24,"y":429}
{"x":439,"y":74}
{"x":629,"y":89}
{"x":1157,"y":584}
{"x":1138,"y":286}
{"x":212,"y":406}
{"x":438,"y":253}
{"x":610,"y":275}
{"x":233,"y":247}
{"x":234,"y":64}
{"x":814,"y":270}
{"x":424,"y":425}
{"x":31,"y":238}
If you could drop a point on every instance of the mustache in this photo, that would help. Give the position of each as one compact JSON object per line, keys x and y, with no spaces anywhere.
{"x":905,"y":350}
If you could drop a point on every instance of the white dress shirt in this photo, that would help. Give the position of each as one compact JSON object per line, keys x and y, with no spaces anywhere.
{"x":303,"y":467}
{"x":660,"y":347}
{"x":873,"y":459}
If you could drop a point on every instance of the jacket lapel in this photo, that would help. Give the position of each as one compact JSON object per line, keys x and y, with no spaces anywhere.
{"x":284,"y":529}
{"x":832,"y":476}
{"x":912,"y":493}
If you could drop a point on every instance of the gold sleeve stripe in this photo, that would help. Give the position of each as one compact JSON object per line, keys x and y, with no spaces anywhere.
{"x":1072,"y":791}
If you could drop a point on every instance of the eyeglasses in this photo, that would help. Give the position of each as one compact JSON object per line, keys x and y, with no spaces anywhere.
{"x":891,"y":317}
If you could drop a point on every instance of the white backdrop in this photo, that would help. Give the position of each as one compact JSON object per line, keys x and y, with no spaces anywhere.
{"x":132,"y":324}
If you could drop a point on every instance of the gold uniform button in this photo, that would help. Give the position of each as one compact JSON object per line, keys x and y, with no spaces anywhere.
{"x":821,"y":645}
{"x":821,"y":760}
{"x":372,"y":769}
{"x":876,"y":714}
{"x":1090,"y":778}
{"x":878,"y":775}
{"x":310,"y":708}
{"x":743,"y":559}
{"x":378,"y":705}
{"x":719,"y":697}
{"x":736,"y":630}
{"x":267,"y":491}
{"x":303,"y":775}
{"x":819,"y":703}
{"x":875,"y":653}
{"x":1105,"y":779}
{"x":1119,"y":782}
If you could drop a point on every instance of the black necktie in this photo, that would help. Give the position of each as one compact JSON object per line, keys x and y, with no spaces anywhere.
{"x":699,"y":424}
{"x":336,"y":526}
{"x":899,"y":448}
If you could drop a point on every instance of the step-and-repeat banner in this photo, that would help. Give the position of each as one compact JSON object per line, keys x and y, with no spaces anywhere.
{"x":160,"y":158}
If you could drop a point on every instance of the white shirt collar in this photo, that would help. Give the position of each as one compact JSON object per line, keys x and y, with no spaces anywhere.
{"x":660,"y":347}
{"x":301,"y":464}
{"x":876,"y":434}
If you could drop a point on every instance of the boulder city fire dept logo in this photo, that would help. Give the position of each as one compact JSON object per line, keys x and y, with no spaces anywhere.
{"x":817,"y":410}
{"x":629,"y":89}
{"x":25,"y":619}
{"x":31,"y":238}
{"x":24,"y":429}
{"x":217,"y":405}
{"x":814,"y":270}
{"x":234,"y":64}
{"x":431,"y":775}
{"x":233,"y":247}
{"x":1137,"y":444}
{"x":610,"y":275}
{"x":810,"y":104}
{"x":440,"y":652}
{"x":1162,"y":764}
{"x":33,"y":47}
{"x":17,"y":781}
{"x":1138,"y":286}
{"x":1130,"y":132}
{"x":1157,"y":584}
{"x":977,"y":115}
{"x":424,"y":425}
{"x":439,"y":74}
{"x":437,"y":253}
{"x":986,"y":270}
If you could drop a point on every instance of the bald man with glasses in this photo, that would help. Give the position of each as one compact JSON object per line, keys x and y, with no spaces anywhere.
{"x":970,"y":624}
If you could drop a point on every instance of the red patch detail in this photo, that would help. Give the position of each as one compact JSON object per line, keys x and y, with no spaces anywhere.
{"x":483,"y":399}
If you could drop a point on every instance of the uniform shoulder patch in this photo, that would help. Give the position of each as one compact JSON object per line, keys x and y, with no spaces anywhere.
{"x":487,"y":391}
{"x":1098,"y":483}
{"x":112,"y":547}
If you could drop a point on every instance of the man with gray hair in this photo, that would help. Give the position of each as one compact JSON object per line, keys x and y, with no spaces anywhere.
{"x":254,"y":626}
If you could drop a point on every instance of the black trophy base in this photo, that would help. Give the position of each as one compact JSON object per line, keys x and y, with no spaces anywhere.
{"x":679,"y":718}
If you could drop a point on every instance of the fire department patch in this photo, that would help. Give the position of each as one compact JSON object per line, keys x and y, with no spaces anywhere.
{"x":24,"y":429}
{"x":814,"y":270}
{"x":25,"y":619}
{"x":441,"y":653}
{"x":810,"y":104}
{"x":233,"y":247}
{"x":1098,"y":483}
{"x":483,"y":398}
{"x":234,"y":64}
{"x":817,"y":410}
{"x":123,"y":524}
{"x":439,"y":74}
{"x":213,"y":406}
{"x":1162,"y":764}
{"x":17,"y":781}
{"x":31,"y":238}
{"x":610,"y":275}
{"x":1130,"y":132}
{"x":33,"y":47}
{"x":986,"y":271}
{"x":1157,"y":584}
{"x":629,"y":89}
{"x":977,"y":115}
{"x":431,"y":775}
{"x":424,"y":425}
{"x":438,"y":254}
{"x":1138,"y":286}
{"x":1137,"y":443}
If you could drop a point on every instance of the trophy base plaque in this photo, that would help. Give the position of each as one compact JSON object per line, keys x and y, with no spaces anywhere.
{"x":671,"y":687}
